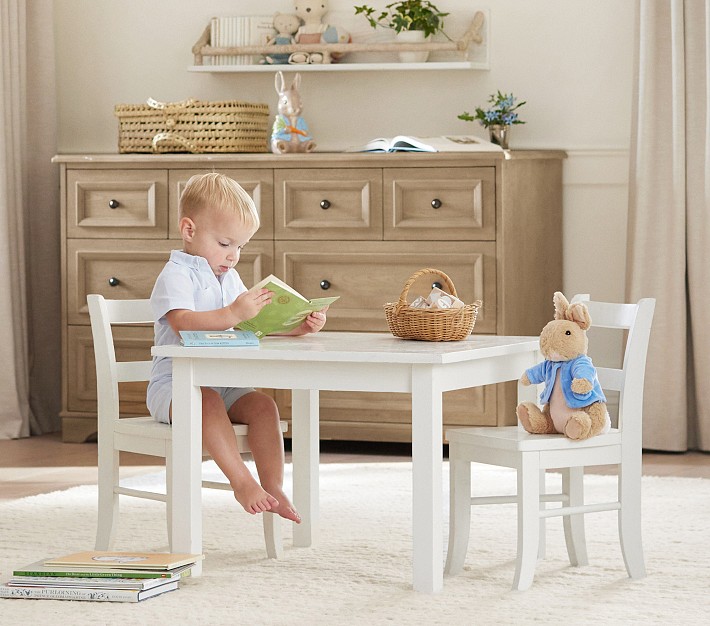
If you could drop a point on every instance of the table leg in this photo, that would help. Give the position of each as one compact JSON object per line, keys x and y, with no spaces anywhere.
{"x":305,"y":451}
{"x":427,"y":498}
{"x":185,"y":501}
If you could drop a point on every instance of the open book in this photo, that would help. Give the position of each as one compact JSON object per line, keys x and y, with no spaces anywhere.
{"x":446,"y":143}
{"x":287,"y":310}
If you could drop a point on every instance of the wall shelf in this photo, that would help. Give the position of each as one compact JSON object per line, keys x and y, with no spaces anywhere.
{"x":458,"y":51}
{"x":342,"y":67}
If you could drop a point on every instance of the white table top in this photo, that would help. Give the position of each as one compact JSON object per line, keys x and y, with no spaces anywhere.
{"x":361,"y":347}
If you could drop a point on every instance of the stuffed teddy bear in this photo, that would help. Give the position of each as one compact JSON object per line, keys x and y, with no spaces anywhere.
{"x":286,"y":26}
{"x":313,"y":30}
{"x":573,"y":401}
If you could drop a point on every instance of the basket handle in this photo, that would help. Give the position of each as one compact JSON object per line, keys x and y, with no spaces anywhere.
{"x":173,"y":137}
{"x":405,"y":291}
{"x":156,"y":104}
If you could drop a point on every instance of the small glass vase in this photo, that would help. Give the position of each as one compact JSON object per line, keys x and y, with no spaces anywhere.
{"x":499,"y":134}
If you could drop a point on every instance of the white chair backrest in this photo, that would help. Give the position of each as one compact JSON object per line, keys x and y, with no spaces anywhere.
{"x":105,"y":313}
{"x":629,"y":379}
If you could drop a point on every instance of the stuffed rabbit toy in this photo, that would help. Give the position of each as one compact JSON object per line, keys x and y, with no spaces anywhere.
{"x":573,"y":401}
{"x":290,"y":132}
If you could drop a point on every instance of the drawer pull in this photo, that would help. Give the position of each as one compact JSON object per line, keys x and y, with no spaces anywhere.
{"x":436,"y":203}
{"x":114,"y":282}
{"x":325,"y":204}
{"x":325,"y":284}
{"x":113,"y":204}
{"x":436,"y":284}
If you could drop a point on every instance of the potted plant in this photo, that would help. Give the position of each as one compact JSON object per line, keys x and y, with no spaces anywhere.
{"x":412,"y":20}
{"x":499,"y":118}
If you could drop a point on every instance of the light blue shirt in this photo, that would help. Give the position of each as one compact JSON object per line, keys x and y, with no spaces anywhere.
{"x":186,"y":282}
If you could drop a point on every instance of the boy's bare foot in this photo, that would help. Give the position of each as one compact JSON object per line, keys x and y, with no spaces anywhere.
{"x":284,"y":507}
{"x":252,"y":497}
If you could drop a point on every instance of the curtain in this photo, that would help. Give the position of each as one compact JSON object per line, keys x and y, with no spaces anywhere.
{"x":29,"y":222}
{"x":669,"y":217}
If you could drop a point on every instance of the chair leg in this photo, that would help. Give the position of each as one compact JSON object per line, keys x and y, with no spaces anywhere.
{"x":542,"y":546}
{"x":272,"y":535}
{"x":459,"y":512}
{"x":108,"y":500}
{"x":573,"y":486}
{"x":630,"y":519}
{"x":528,"y":520}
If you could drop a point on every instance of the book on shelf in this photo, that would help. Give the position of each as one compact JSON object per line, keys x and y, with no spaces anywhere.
{"x":192,"y":338}
{"x":83,"y":593}
{"x":126,"y":560}
{"x":287,"y":309}
{"x":445,"y":143}
{"x":228,"y":32}
{"x":41,"y":570}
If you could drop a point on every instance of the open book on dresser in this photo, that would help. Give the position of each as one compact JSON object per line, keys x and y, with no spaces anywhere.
{"x":445,"y":143}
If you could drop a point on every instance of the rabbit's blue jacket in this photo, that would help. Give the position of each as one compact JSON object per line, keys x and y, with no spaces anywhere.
{"x":579,"y":367}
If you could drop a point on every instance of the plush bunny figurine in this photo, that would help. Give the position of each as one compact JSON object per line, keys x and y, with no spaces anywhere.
{"x":573,"y":401}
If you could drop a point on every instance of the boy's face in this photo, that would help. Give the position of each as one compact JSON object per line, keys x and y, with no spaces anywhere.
{"x":219,"y":238}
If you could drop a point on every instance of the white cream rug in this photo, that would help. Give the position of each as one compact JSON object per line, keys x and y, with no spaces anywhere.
{"x":360,"y":571}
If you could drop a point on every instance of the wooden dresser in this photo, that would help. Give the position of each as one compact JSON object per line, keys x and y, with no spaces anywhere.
{"x":353,"y":225}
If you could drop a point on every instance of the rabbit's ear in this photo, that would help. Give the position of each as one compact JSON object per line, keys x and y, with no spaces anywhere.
{"x":296,"y":82}
{"x":561,"y":305}
{"x":279,"y":82}
{"x":579,"y":314}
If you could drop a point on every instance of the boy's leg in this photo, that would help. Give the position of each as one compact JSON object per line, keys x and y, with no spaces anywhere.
{"x":220,"y":441}
{"x":261,"y":414}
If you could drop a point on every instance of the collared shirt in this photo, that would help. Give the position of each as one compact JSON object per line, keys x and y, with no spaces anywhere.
{"x":186,"y":282}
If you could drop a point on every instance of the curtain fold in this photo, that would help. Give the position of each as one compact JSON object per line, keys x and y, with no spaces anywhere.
{"x":669,"y":217}
{"x":15,"y":411}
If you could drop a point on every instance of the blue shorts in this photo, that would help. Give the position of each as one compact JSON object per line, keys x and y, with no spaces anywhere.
{"x":162,"y":397}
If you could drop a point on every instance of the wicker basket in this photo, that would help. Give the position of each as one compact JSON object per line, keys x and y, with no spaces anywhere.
{"x":430,"y":324}
{"x":193,"y":126}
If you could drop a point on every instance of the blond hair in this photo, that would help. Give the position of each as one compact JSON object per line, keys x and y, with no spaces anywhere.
{"x":219,"y":193}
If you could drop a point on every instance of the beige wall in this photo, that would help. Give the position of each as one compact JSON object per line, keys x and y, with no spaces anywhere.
{"x":570,"y":59}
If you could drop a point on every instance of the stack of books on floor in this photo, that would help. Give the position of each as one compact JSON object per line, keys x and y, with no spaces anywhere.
{"x":100,"y":576}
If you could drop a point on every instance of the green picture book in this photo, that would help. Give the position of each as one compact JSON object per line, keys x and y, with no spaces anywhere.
{"x":287,"y":310}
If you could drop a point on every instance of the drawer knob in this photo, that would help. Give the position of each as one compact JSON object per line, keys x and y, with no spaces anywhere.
{"x":436,"y":203}
{"x":436,"y":284}
{"x":325,"y":284}
{"x":324,"y":204}
{"x":114,"y":282}
{"x":113,"y":204}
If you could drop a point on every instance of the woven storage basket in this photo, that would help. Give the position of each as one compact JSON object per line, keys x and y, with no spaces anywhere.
{"x":430,"y":324}
{"x":193,"y":126}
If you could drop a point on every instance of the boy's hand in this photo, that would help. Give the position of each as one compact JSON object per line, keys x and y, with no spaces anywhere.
{"x":312,"y":324}
{"x":248,"y":304}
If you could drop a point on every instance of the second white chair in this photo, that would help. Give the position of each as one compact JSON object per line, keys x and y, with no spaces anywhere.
{"x":142,"y":435}
{"x":532,"y":454}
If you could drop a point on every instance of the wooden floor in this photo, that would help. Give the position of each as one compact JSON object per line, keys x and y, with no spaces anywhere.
{"x":42,"y":464}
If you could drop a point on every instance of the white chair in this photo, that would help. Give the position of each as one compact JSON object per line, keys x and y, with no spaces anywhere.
{"x":531,"y":455}
{"x":141,"y":435}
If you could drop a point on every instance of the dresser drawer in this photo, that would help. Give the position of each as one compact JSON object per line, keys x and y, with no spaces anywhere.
{"x":259,"y":184}
{"x":367,"y":274}
{"x":430,"y":204}
{"x":132,"y":343}
{"x":117,"y":203}
{"x":133,"y":266}
{"x":342,"y":204}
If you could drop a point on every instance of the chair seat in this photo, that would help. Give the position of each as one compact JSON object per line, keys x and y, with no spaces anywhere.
{"x":148,"y":427}
{"x":516,"y":439}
